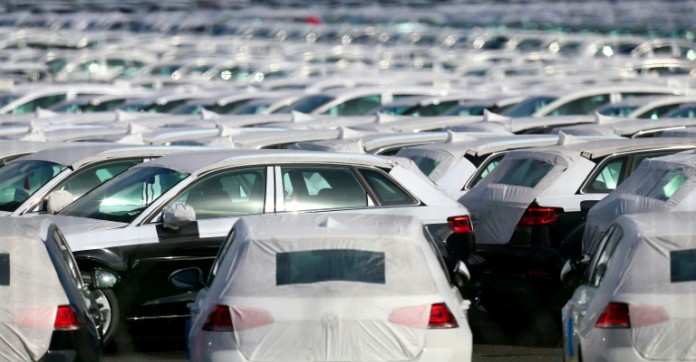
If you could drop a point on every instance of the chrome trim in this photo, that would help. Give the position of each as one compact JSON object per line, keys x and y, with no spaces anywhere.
{"x":158,"y":317}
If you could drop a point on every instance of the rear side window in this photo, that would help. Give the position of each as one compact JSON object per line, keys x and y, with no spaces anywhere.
{"x":608,"y":177}
{"x":4,"y":269}
{"x":682,"y":266}
{"x":524,"y":172}
{"x":315,"y":266}
{"x":386,"y":190}
{"x":316,"y":188}
{"x":600,"y":262}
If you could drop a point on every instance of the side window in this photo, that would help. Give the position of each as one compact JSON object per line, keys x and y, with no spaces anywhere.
{"x":355,"y":107}
{"x":87,"y":179}
{"x":237,"y":192}
{"x":316,"y":188}
{"x":43,"y":102}
{"x":600,"y":261}
{"x":388,"y":192}
{"x":608,"y":177}
{"x":582,"y":106}
{"x":485,"y":169}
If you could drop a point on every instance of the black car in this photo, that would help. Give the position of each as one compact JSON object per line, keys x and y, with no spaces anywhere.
{"x":47,"y":312}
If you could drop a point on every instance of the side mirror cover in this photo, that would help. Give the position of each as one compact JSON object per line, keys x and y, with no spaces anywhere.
{"x":178,"y":215}
{"x":103,"y":279}
{"x":187,"y":278}
{"x":58,"y":200}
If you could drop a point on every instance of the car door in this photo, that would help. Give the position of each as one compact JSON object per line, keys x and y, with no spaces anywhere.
{"x":218,"y":199}
{"x":584,"y":308}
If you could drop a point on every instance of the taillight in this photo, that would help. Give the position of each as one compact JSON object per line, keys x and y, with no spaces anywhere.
{"x":461,"y":224}
{"x":219,"y":320}
{"x":535,"y":215}
{"x":615,"y":315}
{"x":66,"y":320}
{"x":441,"y":317}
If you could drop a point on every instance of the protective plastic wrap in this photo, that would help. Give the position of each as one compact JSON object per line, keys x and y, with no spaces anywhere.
{"x":499,"y":200}
{"x":662,"y":183}
{"x":652,"y":270}
{"x":329,"y":291}
{"x":30,"y":294}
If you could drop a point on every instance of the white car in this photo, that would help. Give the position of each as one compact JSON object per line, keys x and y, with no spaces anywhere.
{"x":329,"y":291}
{"x":123,"y":225}
{"x":636,"y":303}
{"x":659,"y":184}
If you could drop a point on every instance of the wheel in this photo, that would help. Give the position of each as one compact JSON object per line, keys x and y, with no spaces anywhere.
{"x":109,"y":312}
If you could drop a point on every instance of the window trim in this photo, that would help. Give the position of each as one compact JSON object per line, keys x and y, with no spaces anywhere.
{"x":373,"y":194}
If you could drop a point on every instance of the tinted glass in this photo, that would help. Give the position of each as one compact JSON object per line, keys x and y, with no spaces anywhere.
{"x":313,"y":188}
{"x":600,"y":261}
{"x":21,"y":179}
{"x":68,"y":257}
{"x":238,"y":192}
{"x":5,"y":269}
{"x":582,"y":106}
{"x":91,"y":177}
{"x":682,"y":266}
{"x":387,"y":191}
{"x":125,"y":197}
{"x":306,"y":104}
{"x":355,"y":107}
{"x":665,"y":188}
{"x":608,"y":177}
{"x":314,"y":266}
{"x":528,"y":107}
{"x":425,"y":164}
{"x":527,"y":173}
{"x":485,"y":169}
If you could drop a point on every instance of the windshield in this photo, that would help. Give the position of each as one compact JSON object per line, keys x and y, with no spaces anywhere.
{"x":21,"y":179}
{"x":123,"y":198}
{"x":6,"y":98}
{"x":528,"y":107}
{"x":306,"y":104}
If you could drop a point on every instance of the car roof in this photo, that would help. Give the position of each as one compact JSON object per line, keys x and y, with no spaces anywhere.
{"x":76,"y":156}
{"x":209,"y":160}
{"x":477,"y":147}
{"x":601,"y":148}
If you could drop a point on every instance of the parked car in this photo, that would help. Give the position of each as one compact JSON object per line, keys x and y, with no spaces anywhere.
{"x":524,"y":210}
{"x":658,"y":184}
{"x":47,"y":312}
{"x":26,"y":182}
{"x":126,"y":226}
{"x":636,"y":300}
{"x":329,"y":291}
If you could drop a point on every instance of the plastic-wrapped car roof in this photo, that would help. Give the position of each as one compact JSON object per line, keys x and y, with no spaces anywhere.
{"x":209,"y":160}
{"x":77,"y":155}
{"x":477,"y":147}
{"x":601,"y":148}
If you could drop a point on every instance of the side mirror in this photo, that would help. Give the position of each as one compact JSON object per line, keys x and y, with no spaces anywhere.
{"x":187,"y":278}
{"x":178,"y":215}
{"x":58,"y":200}
{"x":461,"y":270}
{"x":103,"y":279}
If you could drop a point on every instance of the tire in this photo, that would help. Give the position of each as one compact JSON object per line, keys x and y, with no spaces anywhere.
{"x":110,"y":313}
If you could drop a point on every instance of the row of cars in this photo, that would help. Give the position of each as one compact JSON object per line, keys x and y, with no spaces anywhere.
{"x":140,"y":217}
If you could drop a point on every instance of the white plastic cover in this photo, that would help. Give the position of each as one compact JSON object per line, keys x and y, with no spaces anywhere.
{"x":499,"y":200}
{"x":58,"y":200}
{"x":29,"y":297}
{"x":660,"y":183}
{"x":654,"y":274}
{"x":371,"y":304}
{"x":177,"y":215}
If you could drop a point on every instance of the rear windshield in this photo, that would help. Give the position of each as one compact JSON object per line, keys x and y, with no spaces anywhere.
{"x":313,"y":266}
{"x":522,"y":172}
{"x":682,"y":266}
{"x":665,"y":188}
{"x":4,"y":269}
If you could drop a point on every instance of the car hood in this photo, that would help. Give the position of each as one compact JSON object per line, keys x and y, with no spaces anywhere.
{"x":79,"y":225}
